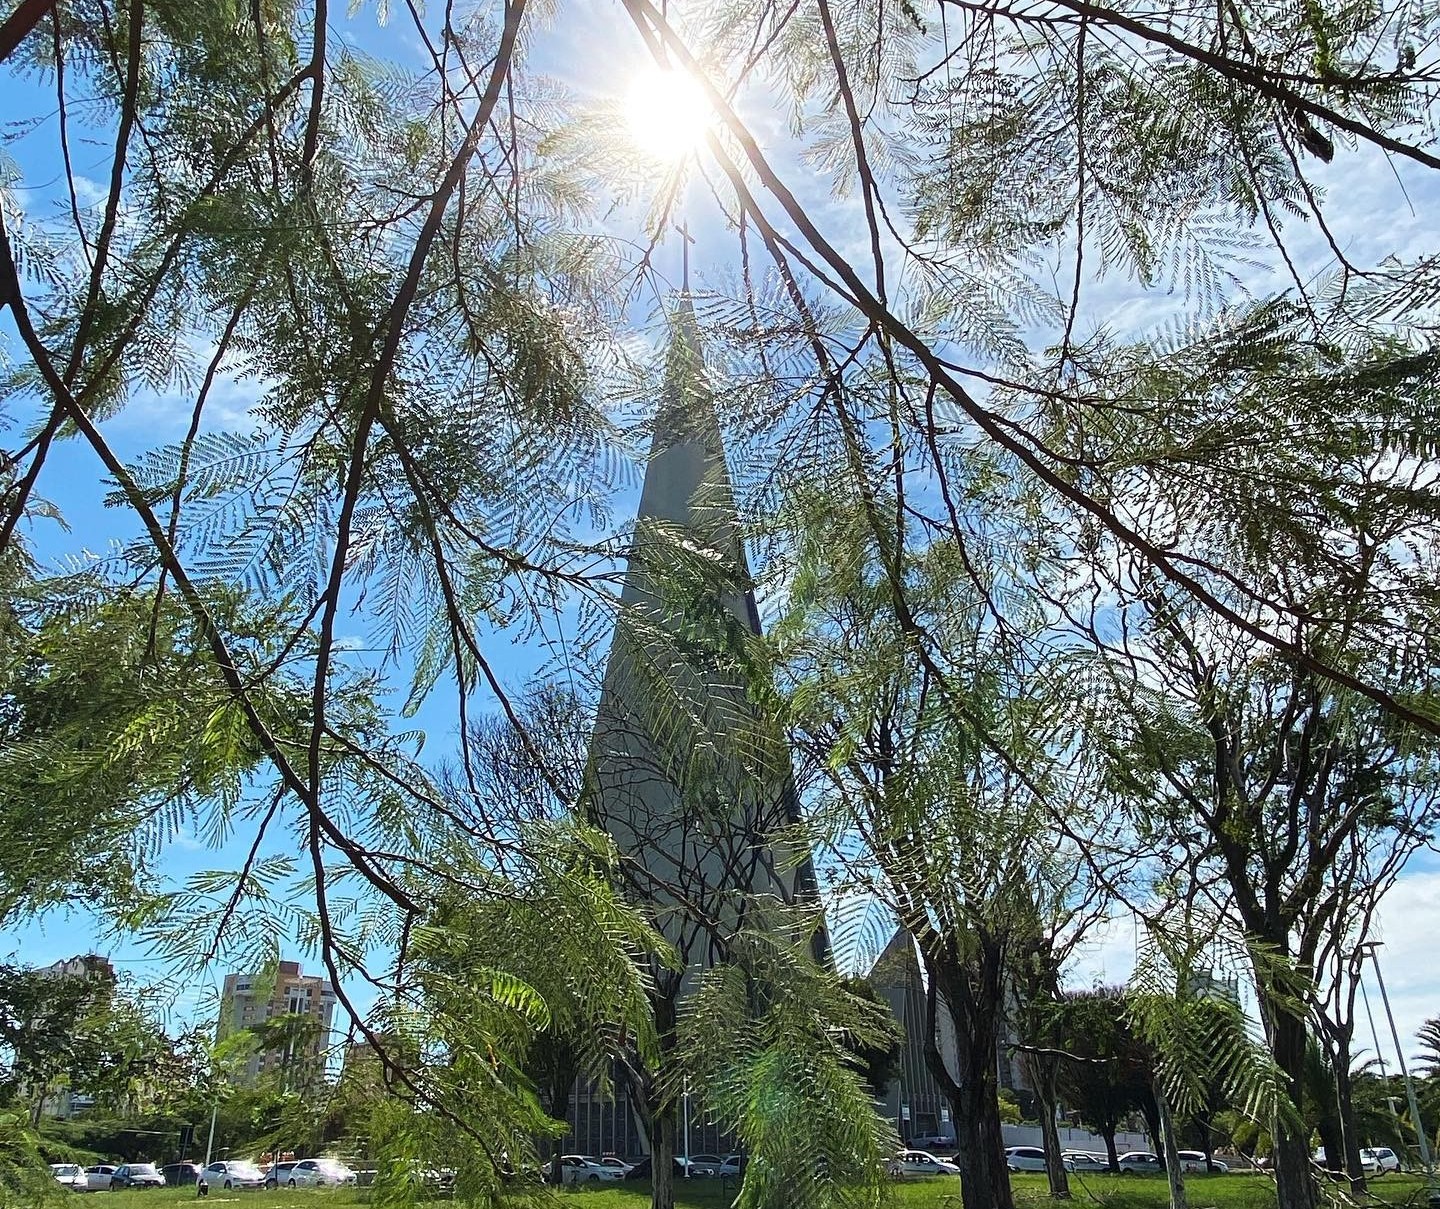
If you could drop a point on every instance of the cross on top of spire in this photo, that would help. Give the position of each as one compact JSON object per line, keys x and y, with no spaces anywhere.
{"x":686,"y":239}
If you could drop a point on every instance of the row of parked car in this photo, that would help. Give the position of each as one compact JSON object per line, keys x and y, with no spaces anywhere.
{"x":1032,"y":1158}
{"x":587,"y":1169}
{"x":226,"y":1175}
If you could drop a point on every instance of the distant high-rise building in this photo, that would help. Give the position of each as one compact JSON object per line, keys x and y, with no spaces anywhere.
{"x":291,"y":1012}
{"x":88,"y":965}
{"x":62,"y":1100}
{"x":1207,"y":984}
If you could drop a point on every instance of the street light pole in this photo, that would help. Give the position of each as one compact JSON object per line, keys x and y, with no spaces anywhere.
{"x":210,"y":1141}
{"x":1380,"y":1058}
{"x":1430,"y":1186}
{"x":687,"y":1125}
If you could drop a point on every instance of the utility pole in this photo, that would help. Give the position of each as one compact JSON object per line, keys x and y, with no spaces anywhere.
{"x":1432,"y":1191}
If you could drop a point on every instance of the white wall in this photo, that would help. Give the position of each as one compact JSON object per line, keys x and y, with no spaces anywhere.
{"x":1070,"y":1139}
{"x":1074,"y":1139}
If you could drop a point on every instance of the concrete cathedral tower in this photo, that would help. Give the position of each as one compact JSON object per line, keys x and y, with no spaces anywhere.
{"x":685,"y":776}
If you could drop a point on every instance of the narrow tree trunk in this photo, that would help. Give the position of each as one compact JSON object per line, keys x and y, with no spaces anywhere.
{"x":1345,"y":1105}
{"x":1294,"y":1185}
{"x":1042,"y":1074}
{"x":1170,"y":1152}
{"x":557,"y":1108}
{"x":1207,"y":1138}
{"x":1150,"y":1110}
{"x":1332,"y":1138}
{"x":980,"y":1151}
{"x":971,"y":992}
{"x":662,"y":1159}
{"x":1110,"y":1152}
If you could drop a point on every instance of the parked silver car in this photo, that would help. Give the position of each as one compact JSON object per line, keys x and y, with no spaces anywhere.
{"x":70,"y":1175}
{"x":1085,"y":1160}
{"x":919,"y":1162}
{"x":1377,"y":1160}
{"x":577,"y":1169}
{"x":319,"y":1173}
{"x":1024,"y":1158}
{"x":1140,"y":1162}
{"x":279,"y":1175}
{"x":233,"y":1173}
{"x":97,"y":1178}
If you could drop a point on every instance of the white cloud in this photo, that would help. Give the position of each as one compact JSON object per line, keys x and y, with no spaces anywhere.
{"x":1409,"y":923}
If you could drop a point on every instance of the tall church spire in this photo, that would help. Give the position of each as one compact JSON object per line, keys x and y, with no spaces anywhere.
{"x":692,"y":784}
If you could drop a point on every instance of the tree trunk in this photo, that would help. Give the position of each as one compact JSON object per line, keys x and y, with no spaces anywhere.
{"x":980,"y":1150}
{"x":1170,"y":1152}
{"x":972,"y":994}
{"x":557,"y":1107}
{"x":1294,"y":1185}
{"x":1332,"y":1138}
{"x":662,"y":1158}
{"x":1207,"y":1138}
{"x":1042,"y":1073}
{"x":1345,"y":1104}
{"x":1150,"y":1110}
{"x":1110,"y":1152}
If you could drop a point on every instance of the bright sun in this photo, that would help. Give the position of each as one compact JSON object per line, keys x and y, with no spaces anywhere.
{"x":667,"y":113}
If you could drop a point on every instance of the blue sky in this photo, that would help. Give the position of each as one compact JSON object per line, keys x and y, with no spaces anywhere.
{"x":1378,"y":208}
{"x":72,"y":477}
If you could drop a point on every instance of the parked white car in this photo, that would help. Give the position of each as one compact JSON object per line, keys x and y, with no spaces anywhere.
{"x":920,"y":1162}
{"x":233,"y":1173}
{"x":1192,"y":1161}
{"x":319,"y":1173}
{"x":1085,"y":1160}
{"x":1377,"y":1160}
{"x":97,"y":1178}
{"x":71,"y":1176}
{"x":1140,"y":1162}
{"x":1374,"y":1160}
{"x":577,"y":1169}
{"x":1024,"y":1158}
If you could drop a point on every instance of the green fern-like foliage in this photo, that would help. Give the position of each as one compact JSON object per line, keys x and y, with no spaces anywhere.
{"x":1204,"y":1045}
{"x":762,"y":1051}
{"x":24,"y":1177}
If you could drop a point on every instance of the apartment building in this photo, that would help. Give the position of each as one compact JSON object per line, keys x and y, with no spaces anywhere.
{"x":290,"y":1012}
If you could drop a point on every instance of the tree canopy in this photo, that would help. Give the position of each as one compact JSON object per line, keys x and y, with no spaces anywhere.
{"x":1085,"y":459}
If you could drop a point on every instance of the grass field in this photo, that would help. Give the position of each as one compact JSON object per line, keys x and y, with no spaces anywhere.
{"x":1238,"y":1191}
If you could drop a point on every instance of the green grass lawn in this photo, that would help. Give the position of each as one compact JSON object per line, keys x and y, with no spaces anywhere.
{"x":1237,"y":1191}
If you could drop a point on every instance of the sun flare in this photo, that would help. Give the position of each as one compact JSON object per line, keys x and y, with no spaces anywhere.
{"x":667,"y":113}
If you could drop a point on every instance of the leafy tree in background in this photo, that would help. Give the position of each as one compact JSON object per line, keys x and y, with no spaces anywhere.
{"x":94,"y":1035}
{"x":1111,"y":1082}
{"x":1382,"y":1117}
{"x":1299,"y":793}
{"x":43,"y":1025}
{"x":933,"y":783}
{"x":1428,"y":1064}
